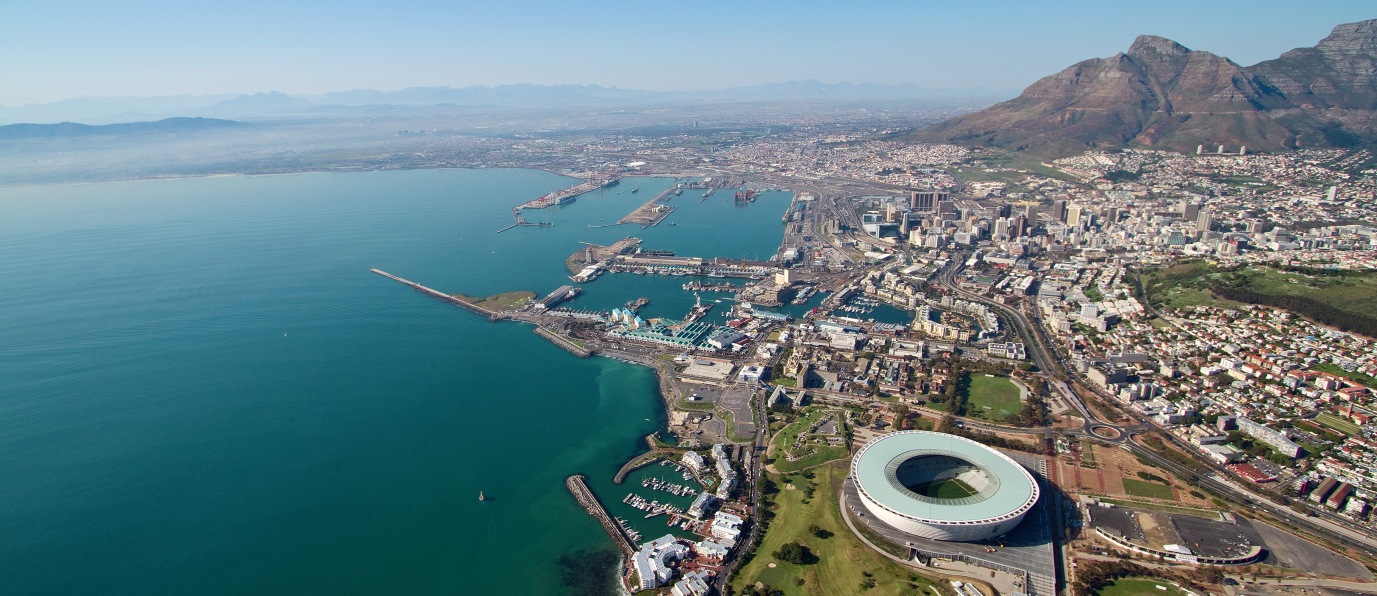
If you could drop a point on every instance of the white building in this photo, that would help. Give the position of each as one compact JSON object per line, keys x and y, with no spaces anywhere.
{"x":652,"y":561}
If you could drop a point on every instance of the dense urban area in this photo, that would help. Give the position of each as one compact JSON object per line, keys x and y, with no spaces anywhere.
{"x":1179,"y":345}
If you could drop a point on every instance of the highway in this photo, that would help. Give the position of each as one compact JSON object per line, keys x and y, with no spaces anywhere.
{"x":1322,"y":526}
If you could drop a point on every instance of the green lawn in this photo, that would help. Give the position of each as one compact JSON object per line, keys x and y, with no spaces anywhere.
{"x":1188,"y":284}
{"x":1356,"y":377}
{"x":842,"y":558}
{"x":1151,"y":490}
{"x":810,"y":454}
{"x":1134,"y":586}
{"x":995,"y":398}
{"x":945,"y":489}
{"x":1339,"y":424}
{"x":502,"y":301}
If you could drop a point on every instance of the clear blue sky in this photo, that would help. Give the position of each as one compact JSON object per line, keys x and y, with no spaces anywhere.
{"x":54,"y":49}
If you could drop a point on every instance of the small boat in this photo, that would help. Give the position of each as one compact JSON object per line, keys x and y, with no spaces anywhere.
{"x":481,"y":497}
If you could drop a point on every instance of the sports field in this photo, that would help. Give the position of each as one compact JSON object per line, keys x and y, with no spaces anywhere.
{"x":1151,"y":490}
{"x":990,"y":397}
{"x":945,"y":489}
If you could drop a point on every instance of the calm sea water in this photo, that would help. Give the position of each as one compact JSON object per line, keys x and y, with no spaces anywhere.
{"x":203,"y":389}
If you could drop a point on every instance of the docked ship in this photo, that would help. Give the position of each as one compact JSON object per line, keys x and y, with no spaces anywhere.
{"x":566,"y":200}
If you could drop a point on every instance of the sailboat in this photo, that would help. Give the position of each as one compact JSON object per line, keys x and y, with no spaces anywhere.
{"x":481,"y":497}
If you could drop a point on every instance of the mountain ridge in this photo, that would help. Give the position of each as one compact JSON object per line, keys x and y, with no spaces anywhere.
{"x":276,"y":104}
{"x":1161,"y":94}
{"x":73,"y":129}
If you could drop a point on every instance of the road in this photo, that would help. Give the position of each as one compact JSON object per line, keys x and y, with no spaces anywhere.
{"x":1322,"y":525}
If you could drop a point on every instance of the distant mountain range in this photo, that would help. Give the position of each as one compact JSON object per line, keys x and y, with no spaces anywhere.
{"x":1160,"y":94}
{"x":275,"y":104}
{"x":72,"y":129}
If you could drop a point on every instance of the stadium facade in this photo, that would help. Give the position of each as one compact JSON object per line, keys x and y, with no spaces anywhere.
{"x":942,"y":487}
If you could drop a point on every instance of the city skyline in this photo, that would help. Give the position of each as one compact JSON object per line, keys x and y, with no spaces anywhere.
{"x":154,"y":49}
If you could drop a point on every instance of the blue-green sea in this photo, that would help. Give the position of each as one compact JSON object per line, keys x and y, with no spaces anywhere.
{"x":203,"y":390}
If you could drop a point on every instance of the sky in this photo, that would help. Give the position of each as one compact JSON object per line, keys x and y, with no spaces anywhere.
{"x":55,"y":49}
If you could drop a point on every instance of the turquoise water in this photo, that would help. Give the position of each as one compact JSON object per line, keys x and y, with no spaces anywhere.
{"x":204,"y":390}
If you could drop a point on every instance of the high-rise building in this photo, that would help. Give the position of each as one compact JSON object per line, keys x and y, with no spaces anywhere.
{"x":1018,"y":226}
{"x":1001,"y":227}
{"x":1073,"y":216}
{"x":945,"y":207}
{"x":1190,"y":210}
{"x":1204,"y":222}
{"x":1059,"y":210}
{"x":927,"y":200}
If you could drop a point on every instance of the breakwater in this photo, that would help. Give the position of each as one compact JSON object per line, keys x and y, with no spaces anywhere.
{"x":491,"y":314}
{"x":586,"y":499}
{"x":640,"y":461}
{"x":564,"y":342}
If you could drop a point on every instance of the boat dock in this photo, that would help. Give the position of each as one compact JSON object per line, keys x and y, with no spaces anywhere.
{"x":589,"y":502}
{"x":521,"y":221}
{"x":494,"y":315}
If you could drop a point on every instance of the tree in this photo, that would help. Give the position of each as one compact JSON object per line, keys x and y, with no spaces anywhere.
{"x":793,"y":552}
{"x":901,"y":417}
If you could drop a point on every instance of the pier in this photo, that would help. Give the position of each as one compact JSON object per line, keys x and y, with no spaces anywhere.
{"x":521,"y":221}
{"x":493,"y":315}
{"x":590,"y":503}
{"x":652,"y":212}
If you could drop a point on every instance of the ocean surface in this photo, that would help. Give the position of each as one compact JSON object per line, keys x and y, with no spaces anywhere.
{"x":204,"y":390}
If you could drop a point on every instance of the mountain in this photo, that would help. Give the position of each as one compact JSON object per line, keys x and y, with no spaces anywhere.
{"x":94,"y":110}
{"x":1160,"y":94}
{"x":72,"y":129}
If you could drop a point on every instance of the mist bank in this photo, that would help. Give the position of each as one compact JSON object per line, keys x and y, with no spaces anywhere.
{"x":565,"y":138}
{"x":106,"y":110}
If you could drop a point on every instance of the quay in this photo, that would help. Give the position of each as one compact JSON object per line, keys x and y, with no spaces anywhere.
{"x":494,"y":315}
{"x":590,"y":503}
{"x":652,"y":212}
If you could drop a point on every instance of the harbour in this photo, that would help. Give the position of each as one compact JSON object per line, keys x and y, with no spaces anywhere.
{"x":296,"y":351}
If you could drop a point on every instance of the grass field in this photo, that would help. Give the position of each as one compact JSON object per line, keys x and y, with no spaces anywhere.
{"x":1134,"y":586}
{"x":810,"y":454}
{"x":945,"y":489}
{"x":992,"y":397}
{"x":1187,"y":284}
{"x":1356,"y":377}
{"x":502,"y":301}
{"x":842,"y":558}
{"x":1150,"y":490}
{"x":1336,"y":423}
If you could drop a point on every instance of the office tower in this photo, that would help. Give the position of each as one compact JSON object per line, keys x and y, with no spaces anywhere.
{"x":1204,"y":222}
{"x":1073,"y":216}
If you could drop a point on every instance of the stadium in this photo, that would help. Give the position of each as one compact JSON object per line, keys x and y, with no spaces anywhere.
{"x":943,"y":487}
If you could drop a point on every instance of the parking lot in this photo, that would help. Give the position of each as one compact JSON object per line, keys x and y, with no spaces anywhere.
{"x":1028,"y":547}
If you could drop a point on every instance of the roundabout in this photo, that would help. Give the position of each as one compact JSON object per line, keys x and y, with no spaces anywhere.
{"x":1106,"y":432}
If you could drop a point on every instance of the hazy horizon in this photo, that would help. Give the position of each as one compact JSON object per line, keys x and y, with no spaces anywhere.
{"x":89,"y":49}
